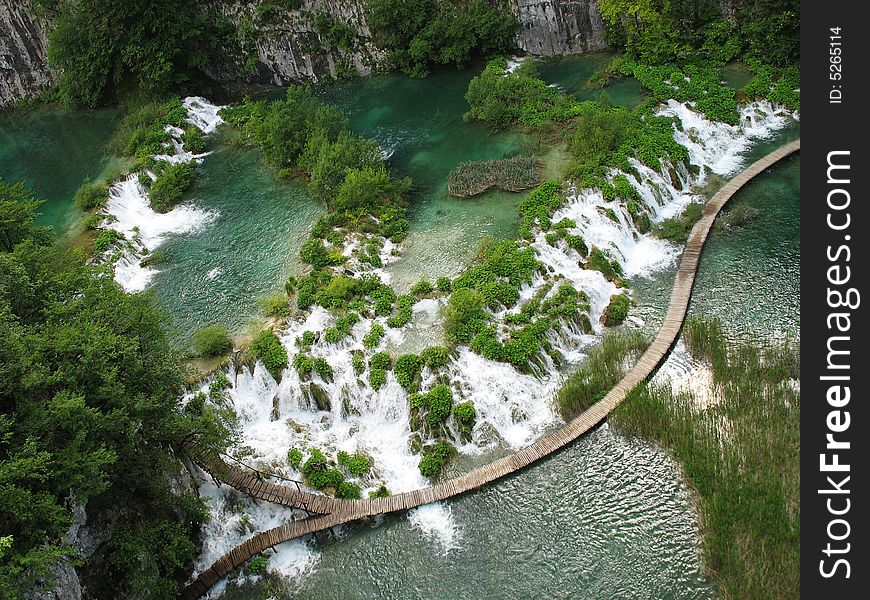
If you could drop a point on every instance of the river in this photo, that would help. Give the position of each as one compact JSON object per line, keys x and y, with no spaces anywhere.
{"x":607,"y":517}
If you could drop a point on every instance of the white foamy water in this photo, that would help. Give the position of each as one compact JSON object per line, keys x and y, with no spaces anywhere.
{"x":145,"y":229}
{"x":513,"y":408}
{"x":129,"y":208}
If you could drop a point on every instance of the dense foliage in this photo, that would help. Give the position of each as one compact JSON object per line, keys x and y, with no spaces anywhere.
{"x":89,"y":416}
{"x":419,"y":34}
{"x":108,"y":48}
{"x":740,"y":455}
{"x":661,"y":31}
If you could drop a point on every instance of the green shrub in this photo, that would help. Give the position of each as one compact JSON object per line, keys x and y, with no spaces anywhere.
{"x":381,"y":492}
{"x":348,"y":491}
{"x":616,"y":311}
{"x":328,"y":478}
{"x":268,"y":348}
{"x":356,"y":464}
{"x":464,"y":316}
{"x":258,"y":565}
{"x":380,"y":360}
{"x":422,"y":288}
{"x":212,"y":340}
{"x":91,"y":195}
{"x":171,"y":183}
{"x":373,"y":338}
{"x":404,"y":312}
{"x":107,"y":238}
{"x":407,"y":369}
{"x":434,"y":458}
{"x":276,"y":305}
{"x":377,"y":378}
{"x":464,"y":413}
{"x":294,"y":457}
{"x":358,"y":361}
{"x":194,"y":139}
{"x":435,"y":357}
{"x":443,"y":285}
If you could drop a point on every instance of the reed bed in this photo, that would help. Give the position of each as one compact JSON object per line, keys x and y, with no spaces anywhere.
{"x":509,"y":174}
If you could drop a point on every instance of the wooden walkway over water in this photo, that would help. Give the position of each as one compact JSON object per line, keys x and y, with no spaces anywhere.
{"x":329,"y":512}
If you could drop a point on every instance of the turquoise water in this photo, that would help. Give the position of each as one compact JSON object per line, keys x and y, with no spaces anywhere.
{"x":54,"y":151}
{"x":608,"y":517}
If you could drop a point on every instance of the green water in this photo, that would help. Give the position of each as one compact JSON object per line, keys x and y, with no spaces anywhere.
{"x":54,"y":151}
{"x":217,"y":274}
{"x":572,"y":73}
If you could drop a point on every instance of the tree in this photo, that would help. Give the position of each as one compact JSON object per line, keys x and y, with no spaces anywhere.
{"x":18,"y":216}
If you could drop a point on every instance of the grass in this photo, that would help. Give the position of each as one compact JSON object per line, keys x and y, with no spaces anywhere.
{"x":509,"y":174}
{"x":605,"y":366}
{"x":741,"y":457}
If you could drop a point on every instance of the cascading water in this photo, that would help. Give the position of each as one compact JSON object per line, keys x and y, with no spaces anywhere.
{"x":128,"y":210}
{"x":513,"y":408}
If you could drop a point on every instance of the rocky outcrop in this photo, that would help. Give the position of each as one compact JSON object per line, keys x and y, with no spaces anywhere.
{"x":556,"y":27}
{"x":285,"y":46}
{"x":23,"y":59}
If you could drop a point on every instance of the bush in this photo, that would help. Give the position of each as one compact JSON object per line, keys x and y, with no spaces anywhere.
{"x":356,"y":464}
{"x":258,"y":565}
{"x":434,"y":459}
{"x":107,"y":238}
{"x":294,"y":457}
{"x":422,"y":288}
{"x":194,"y":139}
{"x":381,"y":492}
{"x":443,"y":285}
{"x":268,"y":348}
{"x":435,"y":357}
{"x":276,"y":305}
{"x":407,"y":369}
{"x":404,"y":312}
{"x":171,"y":183}
{"x":377,"y":378}
{"x":348,"y":491}
{"x":91,"y":195}
{"x":380,"y":360}
{"x":464,"y":316}
{"x":373,"y":338}
{"x":212,"y":340}
{"x":464,"y":413}
{"x":616,"y":311}
{"x":328,"y":478}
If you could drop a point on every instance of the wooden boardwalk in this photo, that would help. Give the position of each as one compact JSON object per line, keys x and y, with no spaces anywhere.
{"x":330,"y":511}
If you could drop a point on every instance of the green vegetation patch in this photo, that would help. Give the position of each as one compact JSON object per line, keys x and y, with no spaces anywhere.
{"x":604,"y":367}
{"x":509,"y":174}
{"x":268,"y":348}
{"x":212,"y":340}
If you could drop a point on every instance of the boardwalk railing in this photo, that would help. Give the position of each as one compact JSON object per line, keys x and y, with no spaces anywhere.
{"x":332,"y":511}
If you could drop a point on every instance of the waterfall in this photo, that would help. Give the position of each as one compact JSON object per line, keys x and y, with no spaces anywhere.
{"x":128,"y":210}
{"x":513,"y":408}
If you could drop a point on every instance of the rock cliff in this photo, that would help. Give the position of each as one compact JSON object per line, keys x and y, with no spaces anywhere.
{"x":281,"y":46}
{"x":23,"y":63}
